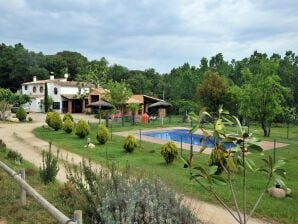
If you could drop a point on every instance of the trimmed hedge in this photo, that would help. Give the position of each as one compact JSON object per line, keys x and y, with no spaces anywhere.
{"x":68,"y":125}
{"x":130,"y":143}
{"x":169,"y":152}
{"x":82,"y":129}
{"x":21,"y":114}
{"x":102,"y":134}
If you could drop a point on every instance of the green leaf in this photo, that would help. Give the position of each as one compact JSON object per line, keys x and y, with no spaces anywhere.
{"x":239,"y":124}
{"x":194,"y":128}
{"x":254,"y":148}
{"x":212,"y":170}
{"x":207,"y":114}
{"x":218,"y":125}
{"x":231,"y":164}
{"x":279,"y":180}
{"x":218,"y":180}
{"x":250,"y":164}
{"x":278,"y":164}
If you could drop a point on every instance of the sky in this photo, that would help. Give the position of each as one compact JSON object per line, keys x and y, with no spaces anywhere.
{"x":142,"y":34}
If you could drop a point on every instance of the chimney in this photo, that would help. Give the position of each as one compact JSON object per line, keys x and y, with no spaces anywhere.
{"x":52,"y":77}
{"x":34,"y":79}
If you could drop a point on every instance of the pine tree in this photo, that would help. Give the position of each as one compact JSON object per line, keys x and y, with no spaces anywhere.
{"x":46,"y":98}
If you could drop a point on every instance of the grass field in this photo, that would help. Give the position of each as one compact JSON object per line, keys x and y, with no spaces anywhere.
{"x":10,"y":208}
{"x":149,"y":162}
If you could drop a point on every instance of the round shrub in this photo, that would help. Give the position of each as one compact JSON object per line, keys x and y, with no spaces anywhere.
{"x":102,"y":134}
{"x":55,"y":121}
{"x":48,"y":118}
{"x":30,"y":119}
{"x":169,"y":152}
{"x":82,"y":129}
{"x":68,"y":125}
{"x":130,"y":143}
{"x":21,"y":114}
{"x":67,"y":115}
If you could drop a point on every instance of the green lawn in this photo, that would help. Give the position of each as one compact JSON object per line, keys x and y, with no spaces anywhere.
{"x":10,"y":208}
{"x":148,"y":161}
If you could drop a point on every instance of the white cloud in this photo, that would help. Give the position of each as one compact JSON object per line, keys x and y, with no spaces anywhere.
{"x":159,"y":34}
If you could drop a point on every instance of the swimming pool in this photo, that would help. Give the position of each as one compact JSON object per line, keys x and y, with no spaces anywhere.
{"x":177,"y":134}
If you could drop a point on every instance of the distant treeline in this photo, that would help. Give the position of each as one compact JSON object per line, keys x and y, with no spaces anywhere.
{"x":182,"y":86}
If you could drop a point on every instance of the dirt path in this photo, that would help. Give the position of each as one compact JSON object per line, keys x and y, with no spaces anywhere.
{"x":19,"y":137}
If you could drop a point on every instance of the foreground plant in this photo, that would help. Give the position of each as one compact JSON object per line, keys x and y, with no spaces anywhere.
{"x":228,"y":159}
{"x":112,"y":196}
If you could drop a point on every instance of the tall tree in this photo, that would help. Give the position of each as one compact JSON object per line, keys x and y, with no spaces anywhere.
{"x":212,"y":91}
{"x":263,"y":95}
{"x":118,"y":93}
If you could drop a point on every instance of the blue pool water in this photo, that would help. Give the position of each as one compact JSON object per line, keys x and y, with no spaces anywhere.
{"x":177,"y":134}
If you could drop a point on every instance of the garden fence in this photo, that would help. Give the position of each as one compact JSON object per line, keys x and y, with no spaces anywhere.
{"x":25,"y":188}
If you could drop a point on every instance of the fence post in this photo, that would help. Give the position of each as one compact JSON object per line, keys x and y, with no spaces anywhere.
{"x":180,"y":145}
{"x":111,"y":132}
{"x":78,"y":216}
{"x":140,"y":137}
{"x":274,"y":147}
{"x":23,"y":192}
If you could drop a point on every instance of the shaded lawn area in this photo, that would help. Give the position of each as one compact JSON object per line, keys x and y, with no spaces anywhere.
{"x":10,"y":207}
{"x":148,"y":161}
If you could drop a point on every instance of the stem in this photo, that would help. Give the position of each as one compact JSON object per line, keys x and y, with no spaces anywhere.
{"x":231,"y":187}
{"x":244,"y":181}
{"x":218,"y":198}
{"x":260,"y":197}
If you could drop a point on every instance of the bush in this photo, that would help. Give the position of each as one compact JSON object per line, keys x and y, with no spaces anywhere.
{"x":48,"y":118}
{"x":30,"y":119}
{"x":15,"y":156}
{"x":130,"y":143}
{"x":112,"y":196}
{"x":69,"y":194}
{"x":67,"y":115}
{"x":102,"y":134}
{"x":82,"y":129}
{"x":169,"y":152}
{"x":68,"y":125}
{"x":21,"y":114}
{"x":2,"y":144}
{"x":55,"y":121}
{"x":49,"y":169}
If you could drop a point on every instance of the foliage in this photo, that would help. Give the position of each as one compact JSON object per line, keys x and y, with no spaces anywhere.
{"x":21,"y":99}
{"x":133,"y":107}
{"x":115,"y":197}
{"x":67,"y":115}
{"x":82,"y":129}
{"x":21,"y":114}
{"x":118,"y":93}
{"x":2,"y":144}
{"x":95,"y":72}
{"x":15,"y":156}
{"x":229,"y":156}
{"x":68,"y":125}
{"x":69,"y":194}
{"x":262,"y":96}
{"x":50,"y":168}
{"x":55,"y":121}
{"x":48,"y":118}
{"x":6,"y":98}
{"x":102,"y":134}
{"x":47,"y":102}
{"x":169,"y":152}
{"x":130,"y":143}
{"x":212,"y":91}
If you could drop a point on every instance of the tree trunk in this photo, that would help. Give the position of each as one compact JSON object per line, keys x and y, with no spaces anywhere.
{"x":266,"y":129}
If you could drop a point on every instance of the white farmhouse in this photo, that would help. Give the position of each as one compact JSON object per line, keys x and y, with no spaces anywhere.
{"x":67,"y":96}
